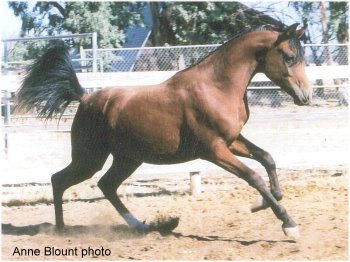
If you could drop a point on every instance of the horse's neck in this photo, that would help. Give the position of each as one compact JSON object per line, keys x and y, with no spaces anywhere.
{"x":234,"y":65}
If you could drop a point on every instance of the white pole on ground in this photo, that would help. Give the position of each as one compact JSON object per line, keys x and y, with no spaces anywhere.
{"x":195,"y":178}
{"x":7,"y":107}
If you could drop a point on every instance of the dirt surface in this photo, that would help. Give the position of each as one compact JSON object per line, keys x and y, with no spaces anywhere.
{"x":215,"y":225}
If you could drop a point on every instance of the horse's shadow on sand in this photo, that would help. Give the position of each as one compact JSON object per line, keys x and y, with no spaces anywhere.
{"x":113,"y":232}
{"x":76,"y":230}
{"x":226,"y":239}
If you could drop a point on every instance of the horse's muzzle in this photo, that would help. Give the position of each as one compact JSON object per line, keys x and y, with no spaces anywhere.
{"x":303,"y":99}
{"x":302,"y":95}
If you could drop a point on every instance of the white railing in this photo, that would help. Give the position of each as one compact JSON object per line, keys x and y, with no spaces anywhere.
{"x":152,"y":65}
{"x":11,"y":83}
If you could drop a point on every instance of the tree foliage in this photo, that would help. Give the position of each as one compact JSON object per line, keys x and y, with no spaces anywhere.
{"x":205,"y":22}
{"x":337,"y":18}
{"x":174,"y":23}
{"x":108,"y":19}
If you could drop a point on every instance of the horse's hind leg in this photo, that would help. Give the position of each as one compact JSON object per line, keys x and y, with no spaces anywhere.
{"x":120,"y":170}
{"x":242,"y":147}
{"x":77,"y":171}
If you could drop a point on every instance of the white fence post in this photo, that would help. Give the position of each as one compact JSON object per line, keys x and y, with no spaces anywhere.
{"x":182,"y":64}
{"x":7,"y":107}
{"x":6,"y":54}
{"x":83,"y":59}
{"x":94,"y":52}
{"x":195,"y":178}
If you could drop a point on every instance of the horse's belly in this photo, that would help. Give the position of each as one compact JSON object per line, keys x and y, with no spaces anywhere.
{"x":158,"y":159}
{"x":158,"y":147}
{"x":152,"y":155}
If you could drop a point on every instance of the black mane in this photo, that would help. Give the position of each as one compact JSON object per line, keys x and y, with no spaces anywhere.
{"x":267,"y":27}
{"x":294,"y":43}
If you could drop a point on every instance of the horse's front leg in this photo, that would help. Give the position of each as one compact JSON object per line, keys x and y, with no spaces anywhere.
{"x":221,"y":155}
{"x":242,"y":147}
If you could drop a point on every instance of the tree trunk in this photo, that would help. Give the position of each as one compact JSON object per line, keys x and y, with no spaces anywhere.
{"x":325,"y":35}
{"x":156,"y":33}
{"x":327,"y":52}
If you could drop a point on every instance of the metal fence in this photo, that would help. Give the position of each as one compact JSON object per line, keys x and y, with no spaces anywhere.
{"x":152,"y":58}
{"x":31,"y":46}
{"x":263,"y":93}
{"x":180,"y":57}
{"x":328,"y":92}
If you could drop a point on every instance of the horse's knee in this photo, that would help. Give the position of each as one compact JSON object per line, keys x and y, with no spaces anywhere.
{"x":54,"y":179}
{"x":102,"y":184}
{"x":73,"y":174}
{"x":267,"y":160}
{"x":57,"y":182}
{"x":105,"y":185}
{"x":255,"y":181}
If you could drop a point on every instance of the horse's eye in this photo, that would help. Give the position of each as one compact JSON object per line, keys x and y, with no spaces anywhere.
{"x":288,"y":59}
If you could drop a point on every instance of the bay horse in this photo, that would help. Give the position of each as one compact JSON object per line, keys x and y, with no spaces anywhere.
{"x":197,"y":113}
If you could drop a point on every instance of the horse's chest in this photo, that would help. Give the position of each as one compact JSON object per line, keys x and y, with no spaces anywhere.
{"x":243,"y":112}
{"x":231,"y":121}
{"x":223,"y":121}
{"x":232,"y":125}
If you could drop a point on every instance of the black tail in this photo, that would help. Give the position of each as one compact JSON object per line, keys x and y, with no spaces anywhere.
{"x":50,"y":84}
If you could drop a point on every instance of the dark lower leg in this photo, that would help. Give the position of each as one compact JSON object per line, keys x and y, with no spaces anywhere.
{"x":242,"y":147}
{"x":274,"y":185}
{"x":58,"y":188}
{"x":224,"y":158}
{"x":62,"y":180}
{"x":109,"y":183}
{"x":112,"y":196}
{"x":258,"y":183}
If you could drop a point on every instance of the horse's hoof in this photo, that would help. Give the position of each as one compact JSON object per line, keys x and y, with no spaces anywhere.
{"x":292,"y":232}
{"x":259,"y":204}
{"x":142,"y":228}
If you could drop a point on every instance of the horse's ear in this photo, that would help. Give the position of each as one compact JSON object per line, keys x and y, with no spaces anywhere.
{"x":291,"y":30}
{"x":300,"y":32}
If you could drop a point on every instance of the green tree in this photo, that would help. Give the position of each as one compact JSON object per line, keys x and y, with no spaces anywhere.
{"x":339,"y":20}
{"x":108,"y":19}
{"x":328,"y":20}
{"x":204,"y":22}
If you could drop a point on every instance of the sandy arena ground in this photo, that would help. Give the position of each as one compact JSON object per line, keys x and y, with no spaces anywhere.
{"x":310,"y":146}
{"x":216,"y":225}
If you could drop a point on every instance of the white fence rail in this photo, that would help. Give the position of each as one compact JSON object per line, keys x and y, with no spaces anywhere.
{"x":328,"y":71}
{"x":337,"y":90}
{"x":11,"y":83}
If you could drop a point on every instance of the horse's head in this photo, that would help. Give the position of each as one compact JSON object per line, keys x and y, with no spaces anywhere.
{"x":284,"y":64}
